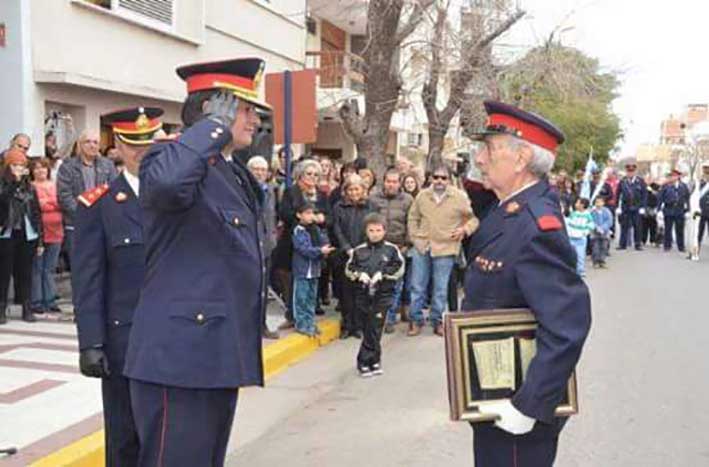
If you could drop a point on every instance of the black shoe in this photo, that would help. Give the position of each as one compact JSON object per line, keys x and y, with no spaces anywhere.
{"x":37,"y":311}
{"x":682,"y":250}
{"x":356,"y":334}
{"x":621,"y":248}
{"x":345,"y":334}
{"x":55,"y":309}
{"x":325,"y":302}
{"x":27,"y":315}
{"x":3,"y":314}
{"x":319,"y":311}
{"x":638,"y":248}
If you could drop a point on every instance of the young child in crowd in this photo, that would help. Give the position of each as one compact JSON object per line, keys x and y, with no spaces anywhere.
{"x":310,"y":246}
{"x":374,"y":266}
{"x":600,"y":237}
{"x":579,"y":226}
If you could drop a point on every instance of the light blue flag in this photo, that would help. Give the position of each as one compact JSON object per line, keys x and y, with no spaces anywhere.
{"x":586,"y":183}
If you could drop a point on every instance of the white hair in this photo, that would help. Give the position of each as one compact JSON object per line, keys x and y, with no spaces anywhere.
{"x":542,"y":159}
{"x":257,"y":161}
{"x":303,"y":166}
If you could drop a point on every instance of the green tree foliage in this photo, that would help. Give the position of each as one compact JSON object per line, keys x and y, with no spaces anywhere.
{"x":570,"y":89}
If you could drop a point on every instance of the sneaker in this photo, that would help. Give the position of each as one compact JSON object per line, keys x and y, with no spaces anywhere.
{"x":365,"y":372}
{"x":377,"y":369}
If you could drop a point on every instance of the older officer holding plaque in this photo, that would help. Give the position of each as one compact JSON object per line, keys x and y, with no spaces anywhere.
{"x":521,"y":258}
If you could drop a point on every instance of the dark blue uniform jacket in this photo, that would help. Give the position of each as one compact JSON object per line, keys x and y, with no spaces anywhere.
{"x":674,"y":199}
{"x":521,"y":258}
{"x":108,"y":265}
{"x":198,"y":321}
{"x":632,"y":193}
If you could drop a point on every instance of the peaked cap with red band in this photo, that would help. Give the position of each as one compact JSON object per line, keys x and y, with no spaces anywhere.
{"x":505,"y":119}
{"x":136,"y":126}
{"x":242,"y":76}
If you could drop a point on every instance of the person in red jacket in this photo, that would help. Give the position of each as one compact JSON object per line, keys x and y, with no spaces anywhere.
{"x":44,"y":291}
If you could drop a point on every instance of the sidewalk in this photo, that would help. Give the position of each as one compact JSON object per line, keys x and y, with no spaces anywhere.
{"x":46,"y":404}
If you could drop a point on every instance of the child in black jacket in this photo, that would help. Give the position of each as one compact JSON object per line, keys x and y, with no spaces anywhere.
{"x":374,"y":266}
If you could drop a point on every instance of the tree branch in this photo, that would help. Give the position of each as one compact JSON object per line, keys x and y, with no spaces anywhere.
{"x":414,"y":20}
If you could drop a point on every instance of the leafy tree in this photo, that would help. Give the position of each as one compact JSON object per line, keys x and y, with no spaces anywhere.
{"x":570,"y":89}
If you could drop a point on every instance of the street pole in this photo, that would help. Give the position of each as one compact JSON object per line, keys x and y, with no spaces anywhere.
{"x":287,"y":122}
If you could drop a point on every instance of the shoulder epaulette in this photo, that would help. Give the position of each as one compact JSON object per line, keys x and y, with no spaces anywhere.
{"x":89,"y":197}
{"x":549,"y":222}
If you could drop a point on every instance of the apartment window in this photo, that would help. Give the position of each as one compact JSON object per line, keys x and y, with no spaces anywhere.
{"x":154,"y":11}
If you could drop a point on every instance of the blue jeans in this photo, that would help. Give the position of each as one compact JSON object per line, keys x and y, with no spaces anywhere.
{"x":422,"y":268}
{"x":305,"y":298}
{"x":44,"y":291}
{"x":579,"y":245}
{"x":396,"y":301}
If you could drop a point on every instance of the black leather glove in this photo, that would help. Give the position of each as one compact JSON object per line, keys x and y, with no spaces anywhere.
{"x":94,"y":363}
{"x":221,"y":108}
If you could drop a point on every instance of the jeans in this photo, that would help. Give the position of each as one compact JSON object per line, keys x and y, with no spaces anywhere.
{"x":305,"y":297}
{"x":599,"y":249}
{"x":579,"y":245}
{"x":423,"y":267}
{"x":396,"y":301}
{"x":44,"y":291}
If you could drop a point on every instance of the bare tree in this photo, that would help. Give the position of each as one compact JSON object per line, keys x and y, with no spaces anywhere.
{"x":472,"y":49}
{"x":389,"y":24}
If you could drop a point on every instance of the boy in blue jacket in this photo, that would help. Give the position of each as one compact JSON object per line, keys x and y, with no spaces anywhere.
{"x":600,"y":237}
{"x":310,"y":246}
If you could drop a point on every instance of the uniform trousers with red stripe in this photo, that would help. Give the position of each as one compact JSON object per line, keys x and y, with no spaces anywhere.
{"x":493,"y":447}
{"x":181,"y":427}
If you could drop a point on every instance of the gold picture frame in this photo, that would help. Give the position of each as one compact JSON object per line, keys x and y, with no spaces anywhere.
{"x":487,"y":355}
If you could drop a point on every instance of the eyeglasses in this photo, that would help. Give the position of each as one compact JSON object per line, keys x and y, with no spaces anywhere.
{"x":440,"y":177}
{"x":22,"y":147}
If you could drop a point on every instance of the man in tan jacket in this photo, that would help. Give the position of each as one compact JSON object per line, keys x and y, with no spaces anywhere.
{"x":439,"y":219}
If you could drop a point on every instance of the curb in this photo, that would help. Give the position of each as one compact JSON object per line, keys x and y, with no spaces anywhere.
{"x":89,"y":452}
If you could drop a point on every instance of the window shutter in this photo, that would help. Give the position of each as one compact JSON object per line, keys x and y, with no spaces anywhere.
{"x":160,"y":10}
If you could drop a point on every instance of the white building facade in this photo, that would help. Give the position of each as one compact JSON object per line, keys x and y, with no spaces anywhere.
{"x":83,"y":58}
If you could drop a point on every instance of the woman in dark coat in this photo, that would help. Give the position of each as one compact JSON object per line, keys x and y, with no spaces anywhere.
{"x":348,"y":227}
{"x":20,"y":232}
{"x":305,"y":189}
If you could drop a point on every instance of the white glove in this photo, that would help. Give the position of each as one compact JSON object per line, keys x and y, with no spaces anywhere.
{"x":642,"y":211}
{"x":619,"y":211}
{"x":511,"y":420}
{"x":364,"y":278}
{"x":376,"y":278}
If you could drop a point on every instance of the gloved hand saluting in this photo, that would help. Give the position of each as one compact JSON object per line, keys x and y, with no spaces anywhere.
{"x":221,"y":108}
{"x":511,"y":420}
{"x":94,"y":363}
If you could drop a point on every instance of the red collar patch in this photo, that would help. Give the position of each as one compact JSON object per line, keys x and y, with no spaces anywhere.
{"x":548,"y":223}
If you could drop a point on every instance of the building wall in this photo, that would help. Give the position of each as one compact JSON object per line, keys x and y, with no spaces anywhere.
{"x":91,"y":60}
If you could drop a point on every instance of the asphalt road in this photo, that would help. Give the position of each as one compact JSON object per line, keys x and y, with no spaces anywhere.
{"x":644,"y":388}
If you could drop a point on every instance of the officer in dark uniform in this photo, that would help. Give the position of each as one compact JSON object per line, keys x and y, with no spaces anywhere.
{"x":109,"y":265}
{"x":674,"y":203}
{"x":703,"y":203}
{"x":521,"y":258}
{"x":196,"y":334}
{"x":632,"y":195}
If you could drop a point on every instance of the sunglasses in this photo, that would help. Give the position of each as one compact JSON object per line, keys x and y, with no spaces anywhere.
{"x":440,"y":177}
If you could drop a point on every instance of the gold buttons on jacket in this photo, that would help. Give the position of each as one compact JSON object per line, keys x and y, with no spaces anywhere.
{"x":200,"y":318}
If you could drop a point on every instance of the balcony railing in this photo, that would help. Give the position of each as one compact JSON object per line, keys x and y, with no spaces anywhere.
{"x":337,"y":69}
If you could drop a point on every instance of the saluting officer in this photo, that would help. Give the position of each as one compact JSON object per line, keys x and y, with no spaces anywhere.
{"x":196,"y":334}
{"x":109,"y":265}
{"x":674,"y":203}
{"x":521,"y":258}
{"x":632,"y":196}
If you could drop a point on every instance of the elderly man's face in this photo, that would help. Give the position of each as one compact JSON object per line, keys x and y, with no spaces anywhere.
{"x":22,"y":143}
{"x":498,"y":162}
{"x":89,"y":146}
{"x":260,"y":172}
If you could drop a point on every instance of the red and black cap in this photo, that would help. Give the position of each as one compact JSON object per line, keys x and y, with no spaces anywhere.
{"x":242,"y":76}
{"x":505,"y":119}
{"x":676,"y":172}
{"x":135,"y":126}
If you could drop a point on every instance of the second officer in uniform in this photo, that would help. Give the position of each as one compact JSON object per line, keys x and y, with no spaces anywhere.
{"x":108,"y":264}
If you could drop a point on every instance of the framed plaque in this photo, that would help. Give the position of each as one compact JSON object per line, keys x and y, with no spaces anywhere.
{"x":487,"y":356}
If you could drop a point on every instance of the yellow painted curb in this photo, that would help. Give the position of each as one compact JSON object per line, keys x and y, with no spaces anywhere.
{"x":89,"y":452}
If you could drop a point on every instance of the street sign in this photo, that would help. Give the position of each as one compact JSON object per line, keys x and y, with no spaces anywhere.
{"x":303,"y":116}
